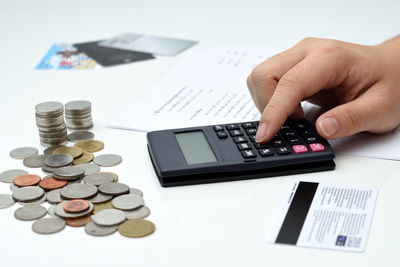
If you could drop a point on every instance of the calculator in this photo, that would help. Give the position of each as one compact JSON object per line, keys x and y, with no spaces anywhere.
{"x":229,"y":152}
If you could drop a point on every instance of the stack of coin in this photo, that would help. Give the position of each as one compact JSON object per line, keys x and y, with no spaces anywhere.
{"x":51,"y":125}
{"x":78,"y":115}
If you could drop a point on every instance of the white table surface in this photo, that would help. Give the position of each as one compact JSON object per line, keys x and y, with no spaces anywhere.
{"x":224,"y":224}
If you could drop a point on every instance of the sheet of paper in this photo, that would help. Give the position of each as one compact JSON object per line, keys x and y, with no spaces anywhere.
{"x":326,"y":216}
{"x":208,"y":87}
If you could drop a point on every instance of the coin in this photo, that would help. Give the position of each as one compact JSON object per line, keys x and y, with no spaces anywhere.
{"x":100,"y":198}
{"x":136,"y":228}
{"x":59,"y":211}
{"x":6,"y":201}
{"x":114,"y":175}
{"x":27,"y":180}
{"x":28,"y":193}
{"x":114,"y":189}
{"x":107,"y":160}
{"x":89,"y":168}
{"x":96,"y":230}
{"x":13,"y":187}
{"x":49,"y":151}
{"x":10,"y":175}
{"x":128,"y":202}
{"x":80,"y":136}
{"x":102,"y":206}
{"x":98,"y":178}
{"x":69,"y":173}
{"x":139,"y":213}
{"x":49,"y":169}
{"x":75,"y":152}
{"x":48,"y":225}
{"x":58,"y":160}
{"x":52,"y":183}
{"x":76,"y":205}
{"x":34,"y":161}
{"x":50,"y":211}
{"x":90,"y":145}
{"x":30,"y":212}
{"x":135,"y":192}
{"x":78,"y":222}
{"x":86,"y":157}
{"x":54,"y":196}
{"x":34,"y":202}
{"x":49,"y":108}
{"x":74,"y":191}
{"x":109,"y":217}
{"x":23,"y":152}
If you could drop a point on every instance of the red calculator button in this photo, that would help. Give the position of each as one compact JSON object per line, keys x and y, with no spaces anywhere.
{"x":300,"y":149}
{"x":317,"y":147}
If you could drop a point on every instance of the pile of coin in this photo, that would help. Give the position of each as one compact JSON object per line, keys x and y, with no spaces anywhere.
{"x":78,"y":115}
{"x":51,"y":125}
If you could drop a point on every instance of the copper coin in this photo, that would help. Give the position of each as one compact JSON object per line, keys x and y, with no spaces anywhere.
{"x":76,"y":205}
{"x":27,"y":180}
{"x":78,"y":222}
{"x":52,"y":183}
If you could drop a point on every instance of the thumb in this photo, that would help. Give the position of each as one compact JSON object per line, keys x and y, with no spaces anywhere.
{"x":361,"y":114}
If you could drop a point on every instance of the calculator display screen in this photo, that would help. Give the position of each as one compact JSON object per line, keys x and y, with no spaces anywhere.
{"x":195,"y":147}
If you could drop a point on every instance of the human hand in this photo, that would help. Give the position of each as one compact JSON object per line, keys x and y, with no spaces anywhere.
{"x":360,"y":84}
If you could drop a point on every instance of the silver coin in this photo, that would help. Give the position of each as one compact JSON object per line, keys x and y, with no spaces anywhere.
{"x":48,"y":225}
{"x":34,"y":161}
{"x":107,"y":160}
{"x":89,"y":168}
{"x":99,"y":178}
{"x":6,"y":200}
{"x":100,"y":198}
{"x":77,"y":106}
{"x":49,"y":151}
{"x":50,"y":107}
{"x":128,"y":202}
{"x":60,"y":143}
{"x":47,"y":169}
{"x":93,"y":229}
{"x":13,"y":187}
{"x":135,"y":191}
{"x":74,"y":191}
{"x":50,"y":211}
{"x":34,"y":202}
{"x":69,"y":173}
{"x":28,"y":193}
{"x":114,"y":189}
{"x":139,"y":213}
{"x":109,"y":217}
{"x":58,"y":160}
{"x":23,"y":152}
{"x":10,"y":175}
{"x":80,"y":136}
{"x":54,"y":196}
{"x":59,"y":211}
{"x":30,"y":212}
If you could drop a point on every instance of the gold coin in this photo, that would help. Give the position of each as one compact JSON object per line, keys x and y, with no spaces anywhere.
{"x":75,"y":152}
{"x":102,"y":206}
{"x":90,"y":145}
{"x":114,"y":175}
{"x":136,"y":228}
{"x":85,"y":158}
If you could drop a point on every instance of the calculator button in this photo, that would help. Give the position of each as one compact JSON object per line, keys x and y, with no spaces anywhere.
{"x":285,"y":127}
{"x":290,"y":134}
{"x":283,"y":150}
{"x":305,"y":133}
{"x":239,"y":139}
{"x":300,"y":126}
{"x":251,"y":131}
{"x":252,"y":138}
{"x":299,"y":149}
{"x":218,"y":128}
{"x":277,"y":141}
{"x":264,"y":152}
{"x":248,"y":154}
{"x":234,"y":133}
{"x":311,"y":139}
{"x":295,"y":141}
{"x":257,"y":145}
{"x":243,"y":146}
{"x":222,"y":134}
{"x":232,"y":127}
{"x":317,"y":147}
{"x":248,"y":125}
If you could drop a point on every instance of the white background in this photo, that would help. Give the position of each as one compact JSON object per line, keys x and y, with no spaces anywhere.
{"x":226,"y":224}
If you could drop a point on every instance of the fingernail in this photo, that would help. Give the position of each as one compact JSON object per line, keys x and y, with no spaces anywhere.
{"x":329,"y":126}
{"x":261,"y":132}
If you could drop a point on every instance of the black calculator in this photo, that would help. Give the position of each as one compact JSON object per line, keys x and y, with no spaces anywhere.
{"x":228,"y":152}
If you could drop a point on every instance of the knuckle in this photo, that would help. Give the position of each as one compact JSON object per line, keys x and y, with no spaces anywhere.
{"x":329,"y":46}
{"x":260,"y":76}
{"x":307,"y":40}
{"x":352,"y":118}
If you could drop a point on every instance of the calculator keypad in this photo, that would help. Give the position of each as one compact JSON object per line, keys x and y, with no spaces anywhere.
{"x":294,"y":137}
